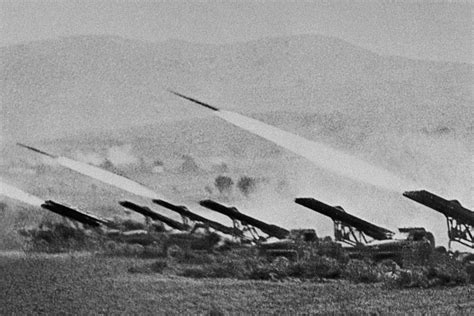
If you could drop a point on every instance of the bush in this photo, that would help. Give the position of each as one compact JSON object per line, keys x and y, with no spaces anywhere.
{"x":316,"y":267}
{"x":470,"y":272}
{"x":331,"y":249}
{"x":223,"y":184}
{"x":230,"y":266}
{"x":175,"y":252}
{"x":155,"y":267}
{"x":448,"y":270}
{"x":193,"y":257}
{"x":415,"y":277}
{"x":114,"y":249}
{"x":360,"y":271}
{"x":246,"y":185}
{"x":158,"y":266}
{"x":129,"y":224}
{"x":440,"y":270}
{"x":195,"y":272}
{"x":263,"y":270}
{"x":266,"y":272}
{"x":153,"y":251}
{"x":59,"y":237}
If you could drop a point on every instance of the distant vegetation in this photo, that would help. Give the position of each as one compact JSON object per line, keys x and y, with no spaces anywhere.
{"x":224,"y":184}
{"x":247,"y":185}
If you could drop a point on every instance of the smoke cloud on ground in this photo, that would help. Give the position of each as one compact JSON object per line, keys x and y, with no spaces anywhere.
{"x":122,"y":155}
{"x":90,"y":158}
{"x":116,"y":155}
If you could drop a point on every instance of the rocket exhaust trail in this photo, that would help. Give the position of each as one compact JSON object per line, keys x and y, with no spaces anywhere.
{"x":320,"y":154}
{"x":17,"y":194}
{"x":101,"y":175}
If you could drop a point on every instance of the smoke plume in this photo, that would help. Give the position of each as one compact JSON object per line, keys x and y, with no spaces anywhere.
{"x":108,"y":178}
{"x":17,"y":194}
{"x":320,"y":154}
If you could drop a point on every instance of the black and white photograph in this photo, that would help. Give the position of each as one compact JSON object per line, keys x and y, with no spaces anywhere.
{"x":224,"y":157}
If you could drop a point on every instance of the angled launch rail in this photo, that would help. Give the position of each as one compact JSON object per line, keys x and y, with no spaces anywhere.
{"x":187,"y":215}
{"x":249,"y":222}
{"x":147,"y":212}
{"x":76,"y":215}
{"x":347,"y":228}
{"x":460,"y":220}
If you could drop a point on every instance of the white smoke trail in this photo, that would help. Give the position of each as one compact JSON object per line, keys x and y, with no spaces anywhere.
{"x":108,"y":178}
{"x":17,"y":194}
{"x":322,"y":155}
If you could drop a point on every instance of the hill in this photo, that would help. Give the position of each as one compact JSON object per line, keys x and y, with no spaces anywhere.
{"x":65,"y":86}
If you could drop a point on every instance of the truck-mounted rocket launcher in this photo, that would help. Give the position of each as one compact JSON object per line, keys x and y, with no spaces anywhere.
{"x":76,"y":215}
{"x":347,"y":228}
{"x":147,"y":212}
{"x":235,"y":215}
{"x":460,"y":220}
{"x":187,"y":214}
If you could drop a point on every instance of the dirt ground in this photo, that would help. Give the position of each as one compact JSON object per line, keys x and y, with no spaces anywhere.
{"x":87,"y":284}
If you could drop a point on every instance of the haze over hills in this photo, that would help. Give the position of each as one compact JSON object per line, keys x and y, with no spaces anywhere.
{"x":98,"y":82}
{"x":86,"y":96}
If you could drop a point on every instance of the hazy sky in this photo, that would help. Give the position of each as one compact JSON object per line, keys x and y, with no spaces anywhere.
{"x":422,"y":29}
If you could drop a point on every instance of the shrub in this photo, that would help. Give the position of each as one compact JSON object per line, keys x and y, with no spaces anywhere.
{"x":360,"y":271}
{"x":266,"y":272}
{"x":129,"y":224}
{"x":194,"y":257}
{"x":115,"y":249}
{"x":175,"y":252}
{"x":331,"y":249}
{"x":59,"y":237}
{"x":158,"y":266}
{"x":316,"y":267}
{"x":155,"y":267}
{"x":230,"y":266}
{"x":189,"y":164}
{"x":195,"y":272}
{"x":223,"y":183}
{"x":153,"y":251}
{"x":448,"y":270}
{"x":470,"y":272}
{"x":416,"y":277}
{"x":246,"y":185}
{"x":440,"y":270}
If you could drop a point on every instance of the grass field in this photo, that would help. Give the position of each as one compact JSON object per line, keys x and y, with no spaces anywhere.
{"x":86,"y":284}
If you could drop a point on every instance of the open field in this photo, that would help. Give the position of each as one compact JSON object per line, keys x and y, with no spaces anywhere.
{"x":85,"y":284}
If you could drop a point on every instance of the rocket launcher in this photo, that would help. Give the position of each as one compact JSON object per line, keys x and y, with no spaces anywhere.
{"x":147,"y":212}
{"x":234,"y":214}
{"x":347,"y":228}
{"x":186,"y":213}
{"x":82,"y":217}
{"x":460,"y":220}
